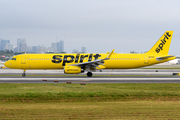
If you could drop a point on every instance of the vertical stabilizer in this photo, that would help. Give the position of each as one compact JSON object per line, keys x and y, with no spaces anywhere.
{"x":163,"y":44}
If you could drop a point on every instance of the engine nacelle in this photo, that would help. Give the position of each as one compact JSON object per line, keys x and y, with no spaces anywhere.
{"x":73,"y":70}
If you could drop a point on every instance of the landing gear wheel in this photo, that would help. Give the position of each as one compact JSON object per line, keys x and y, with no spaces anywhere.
{"x":89,"y":74}
{"x":24,"y":75}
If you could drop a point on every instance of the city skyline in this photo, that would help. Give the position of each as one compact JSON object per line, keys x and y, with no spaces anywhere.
{"x":22,"y":46}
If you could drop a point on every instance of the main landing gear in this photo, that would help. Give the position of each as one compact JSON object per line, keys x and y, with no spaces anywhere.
{"x":24,"y":74}
{"x":89,"y":74}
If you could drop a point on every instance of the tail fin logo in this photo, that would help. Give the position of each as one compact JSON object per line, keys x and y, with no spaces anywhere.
{"x":163,"y":42}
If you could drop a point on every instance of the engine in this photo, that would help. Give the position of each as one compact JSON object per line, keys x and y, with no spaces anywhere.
{"x":73,"y":70}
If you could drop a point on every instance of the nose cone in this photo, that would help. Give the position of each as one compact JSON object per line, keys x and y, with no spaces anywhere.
{"x":6,"y":64}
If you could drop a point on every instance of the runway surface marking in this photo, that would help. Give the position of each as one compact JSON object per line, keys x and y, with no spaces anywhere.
{"x":82,"y":81}
{"x":89,"y":79}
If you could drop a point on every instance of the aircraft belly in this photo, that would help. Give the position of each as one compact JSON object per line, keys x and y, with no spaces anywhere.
{"x":123,"y":65}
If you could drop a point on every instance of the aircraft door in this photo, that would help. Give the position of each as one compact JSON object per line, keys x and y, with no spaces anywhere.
{"x":23,"y":59}
{"x":146,"y":59}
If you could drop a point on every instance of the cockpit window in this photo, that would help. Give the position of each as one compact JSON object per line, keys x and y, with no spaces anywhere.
{"x":13,"y":59}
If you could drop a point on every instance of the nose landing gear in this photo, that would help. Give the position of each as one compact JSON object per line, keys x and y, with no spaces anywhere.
{"x":24,"y":74}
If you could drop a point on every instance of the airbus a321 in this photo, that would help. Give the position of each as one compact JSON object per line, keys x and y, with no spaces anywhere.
{"x":79,"y":63}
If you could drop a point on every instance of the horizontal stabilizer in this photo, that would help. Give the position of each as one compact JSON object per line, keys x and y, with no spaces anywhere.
{"x":163,"y":58}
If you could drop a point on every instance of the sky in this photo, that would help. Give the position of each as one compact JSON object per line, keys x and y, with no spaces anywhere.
{"x":98,"y":25}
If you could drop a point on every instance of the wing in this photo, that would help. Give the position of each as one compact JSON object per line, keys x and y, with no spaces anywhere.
{"x":99,"y":64}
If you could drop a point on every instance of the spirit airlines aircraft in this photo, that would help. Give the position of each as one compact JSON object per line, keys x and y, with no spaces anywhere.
{"x":78,"y":63}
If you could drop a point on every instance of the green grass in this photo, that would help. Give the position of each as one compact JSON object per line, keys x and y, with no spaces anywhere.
{"x":133,"y":110}
{"x":93,"y":92}
{"x":97,"y":101}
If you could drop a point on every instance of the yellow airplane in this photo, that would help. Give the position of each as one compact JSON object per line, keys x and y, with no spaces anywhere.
{"x":78,"y":63}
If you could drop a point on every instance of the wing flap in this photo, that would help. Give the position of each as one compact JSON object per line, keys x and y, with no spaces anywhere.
{"x":100,"y":67}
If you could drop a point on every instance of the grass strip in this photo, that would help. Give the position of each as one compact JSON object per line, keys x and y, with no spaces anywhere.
{"x":133,"y":110}
{"x":21,"y":92}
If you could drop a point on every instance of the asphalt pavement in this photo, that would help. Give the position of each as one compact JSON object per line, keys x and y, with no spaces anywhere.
{"x":106,"y":76}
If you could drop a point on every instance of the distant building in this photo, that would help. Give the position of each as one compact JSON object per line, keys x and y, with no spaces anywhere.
{"x":21,"y":45}
{"x":34,"y":49}
{"x":12,"y":47}
{"x":83,"y":49}
{"x":7,"y":46}
{"x":4,"y":44}
{"x":29,"y":49}
{"x":54,"y":47}
{"x":49,"y":49}
{"x":39,"y":49}
{"x":61,"y":46}
{"x":175,"y":61}
{"x":75,"y":51}
{"x":15,"y":49}
{"x":58,"y":46}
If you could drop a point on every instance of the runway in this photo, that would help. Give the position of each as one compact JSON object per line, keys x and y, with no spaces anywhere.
{"x":104,"y":72}
{"x":92,"y":79}
{"x":107,"y":76}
